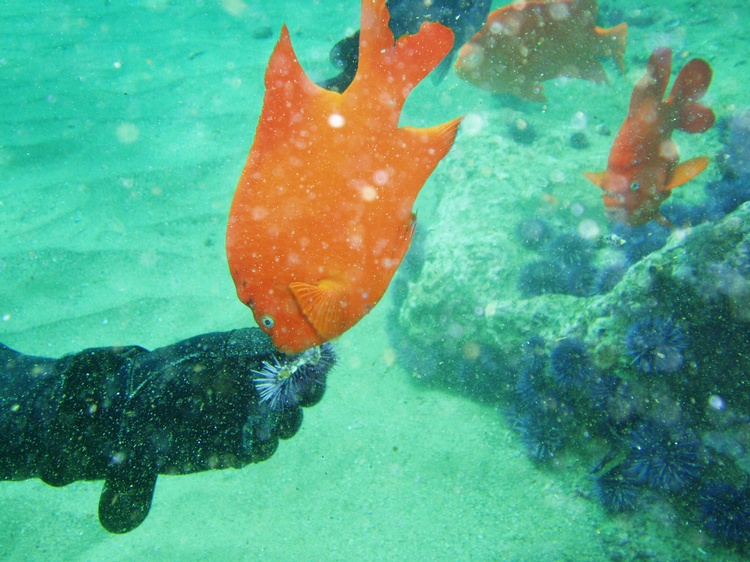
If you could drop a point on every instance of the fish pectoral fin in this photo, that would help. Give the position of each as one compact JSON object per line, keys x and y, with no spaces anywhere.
{"x":594,"y":177}
{"x":323,"y":305}
{"x":686,"y":171}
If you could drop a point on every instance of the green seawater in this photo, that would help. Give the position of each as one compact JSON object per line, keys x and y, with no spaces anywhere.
{"x":124,"y":127}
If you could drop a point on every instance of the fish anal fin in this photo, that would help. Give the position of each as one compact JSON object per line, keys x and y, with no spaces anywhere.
{"x":597,"y":178}
{"x":686,"y":171}
{"x":323,"y":305}
{"x":391,"y":69}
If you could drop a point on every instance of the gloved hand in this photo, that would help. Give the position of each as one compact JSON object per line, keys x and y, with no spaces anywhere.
{"x":124,"y":414}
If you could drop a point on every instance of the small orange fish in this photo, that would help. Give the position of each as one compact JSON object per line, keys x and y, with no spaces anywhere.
{"x":322,"y":215}
{"x":643,"y":164}
{"x":527,"y":42}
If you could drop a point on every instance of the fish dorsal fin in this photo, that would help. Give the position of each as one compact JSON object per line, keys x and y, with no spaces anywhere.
{"x":649,"y":91}
{"x":597,"y":178}
{"x":387,"y":72}
{"x":323,"y":305}
{"x":686,"y":171}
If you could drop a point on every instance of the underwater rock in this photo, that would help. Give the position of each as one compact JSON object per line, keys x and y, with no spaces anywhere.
{"x":465,"y":296}
{"x":665,"y":347}
{"x":734,"y":158}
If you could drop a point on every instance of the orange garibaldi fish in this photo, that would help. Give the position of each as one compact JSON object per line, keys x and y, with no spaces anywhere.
{"x":525,"y":43}
{"x":643,"y":164}
{"x":322,"y":215}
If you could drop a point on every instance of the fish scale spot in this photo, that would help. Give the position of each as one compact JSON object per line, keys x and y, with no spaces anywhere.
{"x":259,"y":213}
{"x":380,"y":177}
{"x":355,"y":242}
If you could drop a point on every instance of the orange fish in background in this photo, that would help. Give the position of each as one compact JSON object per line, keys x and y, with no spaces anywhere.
{"x":643,"y":165}
{"x":322,"y":215}
{"x":525,"y":43}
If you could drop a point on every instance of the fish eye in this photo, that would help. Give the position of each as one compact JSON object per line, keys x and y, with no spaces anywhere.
{"x":635,"y":186}
{"x":267,"y":321}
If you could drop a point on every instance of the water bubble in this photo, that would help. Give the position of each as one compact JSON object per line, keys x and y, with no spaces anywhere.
{"x":368,"y":193}
{"x":579,"y":121}
{"x":576,"y":209}
{"x":336,"y":120}
{"x":557,"y":176}
{"x":716,"y":402}
{"x":472,"y":124}
{"x":588,"y":229}
{"x":127,"y":133}
{"x":558,"y":11}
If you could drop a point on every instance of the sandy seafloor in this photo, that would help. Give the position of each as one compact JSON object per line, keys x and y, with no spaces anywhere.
{"x":123,"y":129}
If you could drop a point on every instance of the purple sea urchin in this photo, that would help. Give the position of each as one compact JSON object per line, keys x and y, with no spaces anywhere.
{"x":616,"y":492}
{"x":291,"y":382}
{"x":541,"y":434}
{"x":663,"y":459}
{"x":533,"y":232}
{"x":725,"y":513}
{"x":656,"y":344}
{"x":571,"y":364}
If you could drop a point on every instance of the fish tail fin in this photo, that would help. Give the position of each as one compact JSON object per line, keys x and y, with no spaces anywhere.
{"x":387,"y":72}
{"x":691,"y":85}
{"x":614,"y":41}
{"x":649,"y":91}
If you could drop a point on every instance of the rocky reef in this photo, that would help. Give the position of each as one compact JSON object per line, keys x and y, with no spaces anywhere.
{"x":629,"y":349}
